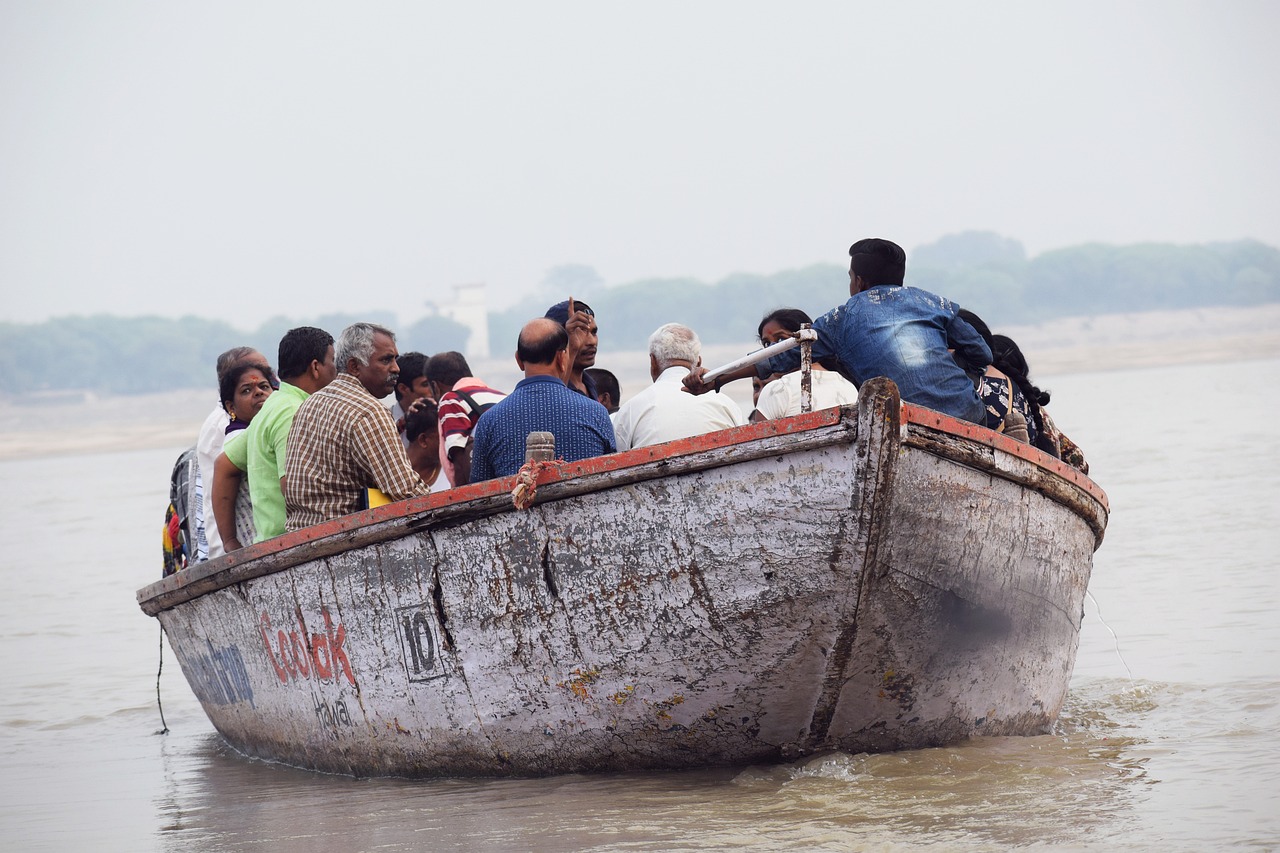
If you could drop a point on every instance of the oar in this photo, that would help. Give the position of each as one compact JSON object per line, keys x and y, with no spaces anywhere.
{"x":806,"y":336}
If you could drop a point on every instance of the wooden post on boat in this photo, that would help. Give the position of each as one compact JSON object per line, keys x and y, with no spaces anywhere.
{"x":806,"y":336}
{"x":540,"y":447}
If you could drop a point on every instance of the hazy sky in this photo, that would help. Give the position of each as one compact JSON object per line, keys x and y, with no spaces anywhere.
{"x":238,"y":160}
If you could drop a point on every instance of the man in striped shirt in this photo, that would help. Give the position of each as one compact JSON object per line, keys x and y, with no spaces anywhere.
{"x":462,"y":398}
{"x":343,"y":440}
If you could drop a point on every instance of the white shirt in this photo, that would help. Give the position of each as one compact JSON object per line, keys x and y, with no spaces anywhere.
{"x":208,"y":449}
{"x":664,"y":412}
{"x":781,"y":397}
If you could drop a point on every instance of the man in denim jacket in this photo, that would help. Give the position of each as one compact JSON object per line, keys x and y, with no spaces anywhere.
{"x":912,"y":336}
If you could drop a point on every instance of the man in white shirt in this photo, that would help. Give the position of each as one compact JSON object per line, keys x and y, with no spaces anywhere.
{"x":663,"y":411}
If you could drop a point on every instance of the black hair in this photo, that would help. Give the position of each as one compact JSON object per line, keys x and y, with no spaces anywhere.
{"x":978,"y":325}
{"x":447,"y":368}
{"x":791,"y":319}
{"x":788,"y":318}
{"x":421,"y":419}
{"x":1007,"y":358}
{"x":606,"y":383}
{"x":413,"y":365}
{"x":543,"y":349}
{"x":231,"y":378}
{"x":878,"y":261}
{"x":301,"y":346}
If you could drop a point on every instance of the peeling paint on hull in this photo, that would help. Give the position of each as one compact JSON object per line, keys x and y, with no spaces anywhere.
{"x":873,"y":578}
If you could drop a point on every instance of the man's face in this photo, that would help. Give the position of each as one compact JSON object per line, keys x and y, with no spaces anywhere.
{"x":328,"y":368}
{"x":590,"y":338}
{"x":380,"y":375}
{"x":407,"y":394}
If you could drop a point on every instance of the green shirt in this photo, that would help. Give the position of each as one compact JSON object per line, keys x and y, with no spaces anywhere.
{"x":261,"y":455}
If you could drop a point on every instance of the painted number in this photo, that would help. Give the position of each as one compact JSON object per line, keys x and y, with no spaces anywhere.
{"x":418,"y":639}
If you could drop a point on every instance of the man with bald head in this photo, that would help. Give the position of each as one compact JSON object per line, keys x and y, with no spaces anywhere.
{"x":541,"y":402}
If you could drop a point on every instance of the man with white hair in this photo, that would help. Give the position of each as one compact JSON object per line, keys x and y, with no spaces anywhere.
{"x":663,"y":411}
{"x":343,"y":441}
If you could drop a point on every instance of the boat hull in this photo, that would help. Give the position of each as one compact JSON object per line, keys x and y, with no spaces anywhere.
{"x":844,"y":580}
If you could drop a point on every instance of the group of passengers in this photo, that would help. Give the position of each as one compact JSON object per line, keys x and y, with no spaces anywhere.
{"x":281,"y":454}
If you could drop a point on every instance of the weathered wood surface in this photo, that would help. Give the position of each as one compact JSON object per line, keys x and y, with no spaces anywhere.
{"x":840,"y":581}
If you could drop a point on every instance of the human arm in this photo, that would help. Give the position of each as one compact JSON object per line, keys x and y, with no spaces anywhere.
{"x":226,"y":483}
{"x":460,"y":458}
{"x":693,"y":383}
{"x":378,"y":446}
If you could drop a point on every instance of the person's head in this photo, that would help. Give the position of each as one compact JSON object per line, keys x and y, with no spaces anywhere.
{"x":673,"y":345}
{"x":423,"y":435}
{"x":978,"y":325}
{"x":306,"y":358}
{"x":874,"y":261}
{"x":591,"y":343}
{"x":781,"y":324}
{"x":443,"y":371}
{"x":367,"y":351}
{"x":412,"y":383}
{"x":244,"y":388}
{"x":543,"y":348}
{"x":1007,"y":356}
{"x":608,"y":392}
{"x":237,"y":356}
{"x":757,"y":385}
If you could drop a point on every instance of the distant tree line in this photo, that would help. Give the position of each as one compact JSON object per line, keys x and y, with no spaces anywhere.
{"x":982,"y":271}
{"x":989,"y":274}
{"x":135,"y":355}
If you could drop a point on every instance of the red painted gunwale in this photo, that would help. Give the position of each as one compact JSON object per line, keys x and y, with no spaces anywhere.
{"x":560,"y":471}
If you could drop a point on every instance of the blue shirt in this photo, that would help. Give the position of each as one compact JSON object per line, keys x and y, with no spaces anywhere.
{"x":902,"y":333}
{"x":538,"y":404}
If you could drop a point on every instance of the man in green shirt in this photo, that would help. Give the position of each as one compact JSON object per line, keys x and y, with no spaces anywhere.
{"x":305,"y":365}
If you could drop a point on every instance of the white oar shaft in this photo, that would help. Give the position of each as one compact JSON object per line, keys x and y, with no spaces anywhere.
{"x":751,"y":358}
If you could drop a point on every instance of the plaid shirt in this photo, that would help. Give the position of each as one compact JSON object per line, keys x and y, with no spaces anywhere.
{"x":342,"y":442}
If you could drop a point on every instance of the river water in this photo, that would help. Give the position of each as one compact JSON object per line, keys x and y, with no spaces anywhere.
{"x":1168,"y":741}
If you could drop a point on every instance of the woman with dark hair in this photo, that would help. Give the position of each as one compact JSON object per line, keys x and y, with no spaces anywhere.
{"x":244,"y":388}
{"x":780,"y":396}
{"x":1005,"y":386}
{"x":1009,"y":357}
{"x":1006,"y":377}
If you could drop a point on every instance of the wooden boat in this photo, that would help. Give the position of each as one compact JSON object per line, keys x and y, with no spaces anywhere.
{"x":870,"y":578}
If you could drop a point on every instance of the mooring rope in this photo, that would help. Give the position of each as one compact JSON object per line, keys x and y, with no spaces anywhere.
{"x":164,"y":727}
{"x":1115,"y":638}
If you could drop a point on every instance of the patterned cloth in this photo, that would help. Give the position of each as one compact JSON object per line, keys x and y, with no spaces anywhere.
{"x":343,"y":442}
{"x":261,"y":454}
{"x":902,"y":333}
{"x":994,"y":391}
{"x":457,"y":419}
{"x":664,"y":412}
{"x":781,"y":397}
{"x":539,"y":403}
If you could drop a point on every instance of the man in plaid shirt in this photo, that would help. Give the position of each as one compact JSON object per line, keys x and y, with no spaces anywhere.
{"x":343,"y":440}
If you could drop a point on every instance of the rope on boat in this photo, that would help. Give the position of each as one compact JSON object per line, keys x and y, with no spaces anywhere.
{"x":164,"y":727}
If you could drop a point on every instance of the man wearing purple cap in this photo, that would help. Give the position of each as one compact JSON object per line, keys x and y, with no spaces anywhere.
{"x":584,"y":338}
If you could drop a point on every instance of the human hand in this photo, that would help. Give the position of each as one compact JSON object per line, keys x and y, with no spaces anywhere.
{"x":693,"y":383}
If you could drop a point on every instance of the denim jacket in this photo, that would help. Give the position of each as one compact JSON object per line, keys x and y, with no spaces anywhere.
{"x":902,"y":333}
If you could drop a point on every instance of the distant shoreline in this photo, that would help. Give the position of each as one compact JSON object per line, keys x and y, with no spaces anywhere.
{"x":69,"y":423}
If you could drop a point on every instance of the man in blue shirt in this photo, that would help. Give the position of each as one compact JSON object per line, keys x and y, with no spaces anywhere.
{"x":912,"y":336}
{"x":541,"y":402}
